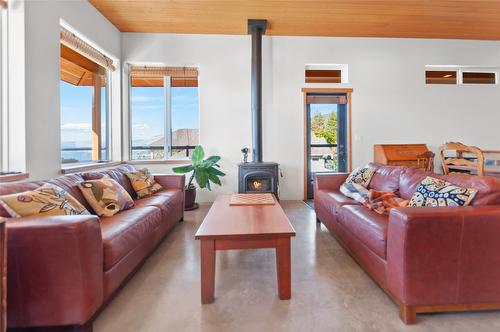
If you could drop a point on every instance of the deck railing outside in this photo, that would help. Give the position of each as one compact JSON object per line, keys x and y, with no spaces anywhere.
{"x":138,"y":152}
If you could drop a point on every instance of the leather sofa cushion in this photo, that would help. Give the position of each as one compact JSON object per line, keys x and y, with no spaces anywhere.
{"x":333,"y":200}
{"x":488,"y":188}
{"x":386,"y":178}
{"x":166,"y":200}
{"x":117,"y":174}
{"x":368,"y":226}
{"x":126,"y":230}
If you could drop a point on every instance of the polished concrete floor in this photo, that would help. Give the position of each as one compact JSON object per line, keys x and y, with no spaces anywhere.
{"x":330,"y":292}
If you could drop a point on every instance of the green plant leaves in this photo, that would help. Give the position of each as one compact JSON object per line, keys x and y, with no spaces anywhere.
{"x":215,"y":171}
{"x":213,"y":159}
{"x":198,"y":155}
{"x":214,"y":178}
{"x":202,"y":178}
{"x":183,"y":169}
{"x":204,"y":171}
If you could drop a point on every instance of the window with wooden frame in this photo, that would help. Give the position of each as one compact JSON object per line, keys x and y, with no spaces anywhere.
{"x":326,"y":73}
{"x":461,"y":75}
{"x":440,"y":77}
{"x":476,"y":77}
{"x":164,"y":112}
{"x":85,"y":101}
{"x":323,"y":76}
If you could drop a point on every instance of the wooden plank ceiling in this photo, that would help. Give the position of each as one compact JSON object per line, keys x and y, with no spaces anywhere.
{"x":455,"y":19}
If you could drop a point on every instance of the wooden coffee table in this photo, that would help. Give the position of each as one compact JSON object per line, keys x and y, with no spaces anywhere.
{"x":244,"y":227}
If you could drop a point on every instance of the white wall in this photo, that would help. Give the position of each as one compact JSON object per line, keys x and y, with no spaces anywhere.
{"x":42,"y":43}
{"x":391,"y":103}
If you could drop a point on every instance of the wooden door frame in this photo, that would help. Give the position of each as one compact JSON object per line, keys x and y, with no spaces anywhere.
{"x":348,"y":92}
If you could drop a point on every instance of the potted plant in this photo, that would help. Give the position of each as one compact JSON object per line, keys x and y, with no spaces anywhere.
{"x":204,"y":171}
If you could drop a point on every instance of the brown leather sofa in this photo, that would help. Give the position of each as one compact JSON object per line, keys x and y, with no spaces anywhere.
{"x":426,"y":259}
{"x":62,"y":270}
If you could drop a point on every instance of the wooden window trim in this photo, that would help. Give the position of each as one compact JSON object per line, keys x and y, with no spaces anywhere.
{"x":347,"y":91}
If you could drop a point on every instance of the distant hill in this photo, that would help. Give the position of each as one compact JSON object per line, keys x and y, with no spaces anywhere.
{"x":181,"y":137}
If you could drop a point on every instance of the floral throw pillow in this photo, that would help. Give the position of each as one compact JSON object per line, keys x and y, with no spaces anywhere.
{"x":361,"y":176}
{"x":435,"y":192}
{"x":143,"y":182}
{"x":48,"y":200}
{"x":106,"y":196}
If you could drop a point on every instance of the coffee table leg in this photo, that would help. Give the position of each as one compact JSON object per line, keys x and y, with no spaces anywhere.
{"x":283,"y":267}
{"x":207,"y":261}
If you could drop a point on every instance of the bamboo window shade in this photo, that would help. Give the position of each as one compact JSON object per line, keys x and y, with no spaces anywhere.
{"x":147,"y":76}
{"x":326,"y":99}
{"x":323,"y":76}
{"x":75,"y":43}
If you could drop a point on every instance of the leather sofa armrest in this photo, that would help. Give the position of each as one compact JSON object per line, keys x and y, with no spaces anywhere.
{"x":329,"y":181}
{"x":447,"y":255}
{"x":55,"y":270}
{"x":171,"y":181}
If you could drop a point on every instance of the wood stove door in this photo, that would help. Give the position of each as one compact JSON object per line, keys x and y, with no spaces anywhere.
{"x":326,"y":145}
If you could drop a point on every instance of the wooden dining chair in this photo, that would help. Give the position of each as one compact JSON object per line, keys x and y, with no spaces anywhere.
{"x":425,"y":161}
{"x":458,"y":162}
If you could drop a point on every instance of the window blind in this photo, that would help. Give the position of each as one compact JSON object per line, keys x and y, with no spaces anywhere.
{"x":146,"y":71}
{"x":70,"y":40}
{"x":326,"y":99}
{"x":153,"y":76}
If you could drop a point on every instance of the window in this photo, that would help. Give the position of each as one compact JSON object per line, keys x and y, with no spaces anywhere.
{"x":164,"y":112}
{"x":440,"y":77}
{"x":322,"y":76}
{"x":84,"y":89}
{"x":326,"y":74}
{"x":478,"y":78}
{"x":460,"y":75}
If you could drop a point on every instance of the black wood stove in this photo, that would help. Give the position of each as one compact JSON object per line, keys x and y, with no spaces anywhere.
{"x":257,"y":176}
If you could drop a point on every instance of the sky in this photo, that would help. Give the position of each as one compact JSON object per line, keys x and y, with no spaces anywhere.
{"x":147,"y":106}
{"x":324,"y":109}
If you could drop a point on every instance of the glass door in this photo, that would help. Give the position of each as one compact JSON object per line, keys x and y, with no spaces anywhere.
{"x":326,"y":145}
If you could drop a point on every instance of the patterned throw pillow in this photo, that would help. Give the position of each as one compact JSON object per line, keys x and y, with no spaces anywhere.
{"x":143,"y":182}
{"x":361,"y":176}
{"x":48,"y":200}
{"x":436,"y":192}
{"x":106,"y":196}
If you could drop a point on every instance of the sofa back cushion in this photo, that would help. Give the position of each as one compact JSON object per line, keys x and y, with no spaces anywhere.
{"x":488,"y":188}
{"x":117,"y":174}
{"x":386,"y":178}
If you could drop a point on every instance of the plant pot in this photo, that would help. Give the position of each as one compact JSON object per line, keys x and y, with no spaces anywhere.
{"x":190,"y":198}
